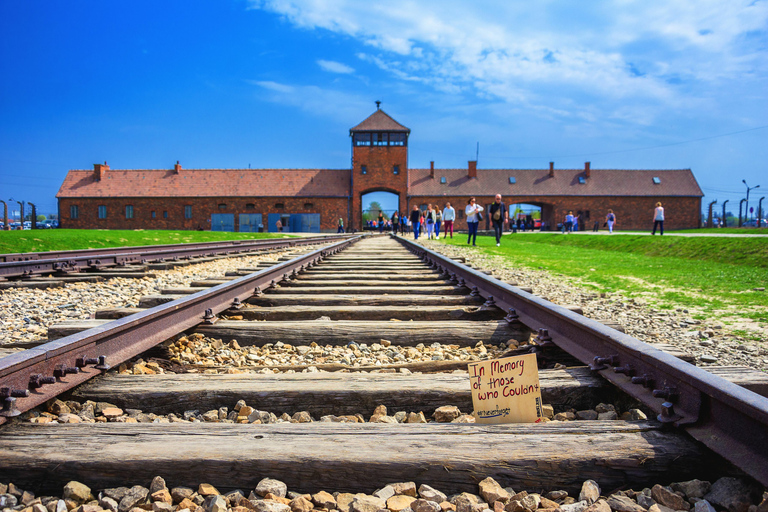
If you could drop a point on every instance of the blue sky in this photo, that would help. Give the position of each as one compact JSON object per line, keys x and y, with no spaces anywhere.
{"x":278,"y":83}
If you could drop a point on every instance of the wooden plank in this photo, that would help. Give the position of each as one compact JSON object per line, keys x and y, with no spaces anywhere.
{"x":346,"y":290}
{"x":279,"y":299}
{"x":372,"y":281}
{"x":324,"y":332}
{"x":325,"y":393}
{"x":351,"y":457}
{"x":115,"y":313}
{"x":367,"y":313}
{"x":367,"y":276}
{"x":368,"y":271}
{"x":150,"y":301}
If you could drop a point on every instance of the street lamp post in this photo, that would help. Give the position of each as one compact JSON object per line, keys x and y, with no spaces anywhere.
{"x":746,"y":213}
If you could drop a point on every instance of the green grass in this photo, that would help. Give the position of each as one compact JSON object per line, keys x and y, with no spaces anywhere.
{"x":712,"y":276}
{"x":725,"y":231}
{"x":71,"y":239}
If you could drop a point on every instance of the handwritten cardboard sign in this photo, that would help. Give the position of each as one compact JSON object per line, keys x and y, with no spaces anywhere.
{"x":506,"y":390}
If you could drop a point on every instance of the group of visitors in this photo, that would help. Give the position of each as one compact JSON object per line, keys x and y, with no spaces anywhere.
{"x":431,"y":220}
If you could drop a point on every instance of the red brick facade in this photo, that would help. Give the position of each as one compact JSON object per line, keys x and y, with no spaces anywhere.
{"x":379,"y":163}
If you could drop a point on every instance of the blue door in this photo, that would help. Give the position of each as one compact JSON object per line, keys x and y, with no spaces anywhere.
{"x":305,"y":222}
{"x":222,"y":222}
{"x":250,"y":222}
{"x":272,"y":219}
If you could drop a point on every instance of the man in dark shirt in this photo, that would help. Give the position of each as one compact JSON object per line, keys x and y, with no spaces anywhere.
{"x":416,"y":221}
{"x":499,"y":215}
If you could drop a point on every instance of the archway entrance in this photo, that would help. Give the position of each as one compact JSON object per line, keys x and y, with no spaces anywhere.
{"x":525,"y":217}
{"x":380,"y":201}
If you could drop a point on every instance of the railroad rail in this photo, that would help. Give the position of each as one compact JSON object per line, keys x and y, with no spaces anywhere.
{"x":25,"y":265}
{"x":731,"y":421}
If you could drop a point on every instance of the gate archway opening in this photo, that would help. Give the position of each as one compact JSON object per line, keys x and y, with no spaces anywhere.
{"x":379,"y":201}
{"x":525,"y":217}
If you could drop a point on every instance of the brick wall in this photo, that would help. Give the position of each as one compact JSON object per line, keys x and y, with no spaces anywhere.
{"x":330,"y":209}
{"x":635,"y":213}
{"x":379,"y":162}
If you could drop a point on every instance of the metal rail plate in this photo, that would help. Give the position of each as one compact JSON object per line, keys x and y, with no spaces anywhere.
{"x":727,"y":418}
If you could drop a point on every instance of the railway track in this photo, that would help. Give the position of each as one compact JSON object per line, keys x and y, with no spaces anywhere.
{"x":343,"y":308}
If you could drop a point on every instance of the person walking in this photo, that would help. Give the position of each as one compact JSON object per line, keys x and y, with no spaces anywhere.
{"x":610,"y":219}
{"x":279,"y":226}
{"x":449,"y":215}
{"x":430,"y":219}
{"x":395,"y":222}
{"x":403,"y":223}
{"x":473,"y":219}
{"x":568,"y":225}
{"x":499,"y":215}
{"x":341,"y":226}
{"x":438,"y":221}
{"x":658,"y":219}
{"x":416,"y":221}
{"x":380,"y":223}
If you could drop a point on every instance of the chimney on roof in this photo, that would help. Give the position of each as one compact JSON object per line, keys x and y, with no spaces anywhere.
{"x":177,"y":168}
{"x":551,"y":169}
{"x":587,"y":171}
{"x":100,"y":170}
{"x":432,"y":169}
{"x":472,"y":169}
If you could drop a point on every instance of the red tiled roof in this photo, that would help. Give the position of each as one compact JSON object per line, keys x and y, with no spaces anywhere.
{"x":536,"y":182}
{"x":379,"y":121}
{"x":208,"y":183}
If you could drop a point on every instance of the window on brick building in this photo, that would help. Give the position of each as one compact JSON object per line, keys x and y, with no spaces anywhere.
{"x":379,"y":139}
{"x":74,"y":211}
{"x":165,"y":214}
{"x":129,"y":211}
{"x":396,"y":169}
{"x":397,"y":139}
{"x":279,"y":206}
{"x":512,"y":180}
{"x":308,"y":206}
{"x":250,"y":206}
{"x":443,"y":179}
{"x":362,"y":139}
{"x":188,"y":211}
{"x":656,"y":180}
{"x":222,"y":206}
{"x":582,"y":180}
{"x":152,"y":214}
{"x":364,"y":169}
{"x":102,"y":211}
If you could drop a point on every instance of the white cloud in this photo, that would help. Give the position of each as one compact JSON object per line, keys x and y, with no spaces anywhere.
{"x":328,"y":103}
{"x":657,"y":54}
{"x":335,"y":67}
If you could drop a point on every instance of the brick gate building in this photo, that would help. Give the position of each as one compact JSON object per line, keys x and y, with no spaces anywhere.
{"x":315,"y":199}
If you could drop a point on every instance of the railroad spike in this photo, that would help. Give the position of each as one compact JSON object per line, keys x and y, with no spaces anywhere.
{"x":668,"y":414}
{"x":668,"y":393}
{"x":38,"y":380}
{"x":490,"y":302}
{"x":103,"y":366}
{"x":209,"y":318}
{"x":646,"y":380}
{"x":543,"y":339}
{"x":236,"y":304}
{"x":601,"y":363}
{"x":11,"y":392}
{"x":9,"y":408}
{"x":63,"y":370}
{"x":84,"y":361}
{"x":512,"y":317}
{"x":475,"y":292}
{"x":627,"y":370}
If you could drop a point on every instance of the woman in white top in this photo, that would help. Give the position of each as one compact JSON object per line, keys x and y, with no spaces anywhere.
{"x":472,"y":210}
{"x":430,"y":219}
{"x":658,"y":219}
{"x":449,"y":215}
{"x":610,"y":219}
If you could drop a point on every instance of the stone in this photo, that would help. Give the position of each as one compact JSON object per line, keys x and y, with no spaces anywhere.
{"x":207,"y":490}
{"x":111,"y":412}
{"x":8,"y":501}
{"x":269,"y":506}
{"x":732,"y":494}
{"x":270,"y":485}
{"x":491,"y":491}
{"x":588,"y":414}
{"x":763,"y":506}
{"x":620,"y":503}
{"x":556,"y":495}
{"x":216,"y":503}
{"x":27,"y":498}
{"x":446,"y":506}
{"x":301,"y":417}
{"x":547,"y":503}
{"x":343,"y":501}
{"x":301,"y":504}
{"x":180,"y":493}
{"x":446,"y":413}
{"x":136,"y":495}
{"x":324,"y":500}
{"x":692,"y":488}
{"x":637,"y":415}
{"x":161,"y":506}
{"x":61,"y":505}
{"x":108,"y":503}
{"x":385,"y":492}
{"x":38,"y":507}
{"x":163,"y":496}
{"x":656,"y":507}
{"x":665,"y":496}
{"x":598,"y":506}
{"x":645,"y":501}
{"x":58,"y":408}
{"x":431,"y":494}
{"x":422,"y":505}
{"x":400,"y":502}
{"x":157,"y":484}
{"x":279,"y":499}
{"x":601,"y":408}
{"x":415,"y":417}
{"x":608,"y":416}
{"x":405,"y":488}
{"x":78,"y":492}
{"x":590,"y":491}
{"x":548,"y":411}
{"x":703,"y":506}
{"x":576,"y":506}
{"x":366,"y":503}
{"x":188,"y":504}
{"x":565,"y":416}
